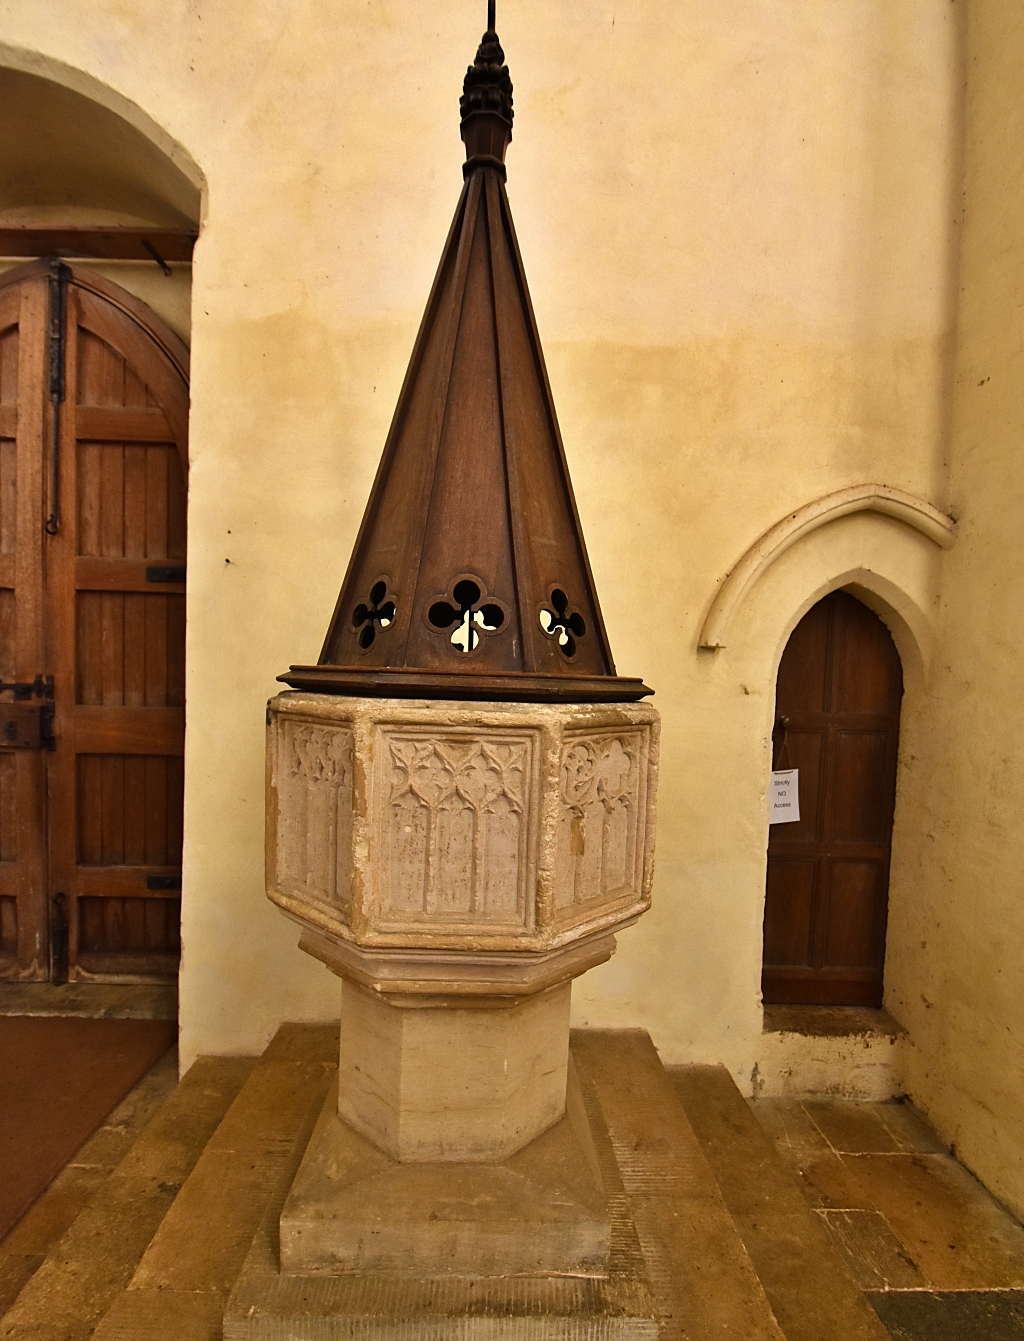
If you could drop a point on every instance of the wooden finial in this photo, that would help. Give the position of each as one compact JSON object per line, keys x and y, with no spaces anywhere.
{"x":486,"y":103}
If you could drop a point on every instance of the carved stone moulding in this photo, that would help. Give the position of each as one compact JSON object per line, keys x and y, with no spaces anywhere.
{"x":519,"y":834}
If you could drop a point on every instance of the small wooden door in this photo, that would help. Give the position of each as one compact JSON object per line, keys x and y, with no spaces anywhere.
{"x":837,"y":720}
{"x":93,"y":455}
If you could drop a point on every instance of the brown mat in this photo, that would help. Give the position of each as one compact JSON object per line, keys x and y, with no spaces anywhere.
{"x":59,"y":1078}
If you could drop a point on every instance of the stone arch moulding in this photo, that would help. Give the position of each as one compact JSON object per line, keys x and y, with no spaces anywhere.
{"x":37,"y":63}
{"x":904,"y":507}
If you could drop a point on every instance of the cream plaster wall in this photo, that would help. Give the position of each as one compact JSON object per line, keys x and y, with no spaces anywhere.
{"x":736,"y":220}
{"x":958,"y":892}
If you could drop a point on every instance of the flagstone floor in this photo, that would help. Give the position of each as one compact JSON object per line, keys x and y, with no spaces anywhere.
{"x":938,"y":1258}
{"x":780,"y":1219}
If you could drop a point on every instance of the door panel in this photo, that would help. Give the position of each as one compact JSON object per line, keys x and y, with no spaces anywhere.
{"x":805,"y":750}
{"x":864,"y":681}
{"x":860,"y":813}
{"x":140,"y":928}
{"x":802,"y":669}
{"x":129,"y":809}
{"x":852,"y":913}
{"x":103,"y":611}
{"x":837,"y":708}
{"x":791,"y":892}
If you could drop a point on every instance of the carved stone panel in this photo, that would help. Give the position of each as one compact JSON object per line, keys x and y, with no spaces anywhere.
{"x":455,"y":816}
{"x":314,"y":818}
{"x":602,"y":816}
{"x":420,"y":827}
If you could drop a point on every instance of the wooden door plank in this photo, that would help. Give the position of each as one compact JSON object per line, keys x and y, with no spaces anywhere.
{"x":122,"y":423}
{"x":103,"y":573}
{"x":120,"y":730}
{"x":32,"y":297}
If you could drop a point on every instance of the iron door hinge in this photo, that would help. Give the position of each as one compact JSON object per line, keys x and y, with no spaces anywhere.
{"x":25,"y":725}
{"x":60,"y":276}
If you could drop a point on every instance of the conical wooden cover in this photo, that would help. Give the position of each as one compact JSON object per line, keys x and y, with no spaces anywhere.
{"x":469,"y":577}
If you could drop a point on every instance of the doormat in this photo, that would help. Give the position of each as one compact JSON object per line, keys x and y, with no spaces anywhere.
{"x":59,"y":1078}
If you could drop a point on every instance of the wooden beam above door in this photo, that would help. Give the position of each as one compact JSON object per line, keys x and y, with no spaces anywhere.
{"x":108,"y":244}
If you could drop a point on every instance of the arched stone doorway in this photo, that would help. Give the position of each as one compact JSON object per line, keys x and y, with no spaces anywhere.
{"x":93,"y":460}
{"x":838,"y":697}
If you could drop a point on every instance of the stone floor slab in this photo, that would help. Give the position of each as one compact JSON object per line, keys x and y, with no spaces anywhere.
{"x":966,"y":1315}
{"x":911,"y":1129}
{"x":812,"y":1292}
{"x":703,"y":1279}
{"x":194,"y":1258}
{"x":159,"y":1315}
{"x":747,"y":1169}
{"x":298,"y":1060}
{"x":91,"y":1001}
{"x":818,"y":1171}
{"x":876,"y":1258}
{"x":960,"y":1238}
{"x":852,"y":1128}
{"x":956,"y":1235}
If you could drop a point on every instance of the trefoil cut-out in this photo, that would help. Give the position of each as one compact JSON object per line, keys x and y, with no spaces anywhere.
{"x":466,"y":614}
{"x":562,"y":623}
{"x":379,"y":610}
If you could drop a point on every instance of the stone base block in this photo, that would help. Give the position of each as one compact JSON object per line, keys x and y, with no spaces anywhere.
{"x":354,"y":1209}
{"x":268,"y":1304}
{"x":373,"y":1309}
{"x":454,"y":1080}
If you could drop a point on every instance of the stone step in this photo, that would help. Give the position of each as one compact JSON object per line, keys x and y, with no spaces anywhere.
{"x":180,"y":1287}
{"x":701,"y":1273}
{"x":25,"y":1247}
{"x":96,"y":1257}
{"x":731,"y":1247}
{"x":848,"y":1052}
{"x":812,"y":1292}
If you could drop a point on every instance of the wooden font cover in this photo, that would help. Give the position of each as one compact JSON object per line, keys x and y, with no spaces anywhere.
{"x":470,"y":577}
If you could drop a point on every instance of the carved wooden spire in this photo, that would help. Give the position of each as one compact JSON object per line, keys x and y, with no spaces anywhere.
{"x":469,"y":577}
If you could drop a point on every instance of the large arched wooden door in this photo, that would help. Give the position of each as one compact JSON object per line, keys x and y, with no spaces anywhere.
{"x":837,"y":716}
{"x":93,"y":455}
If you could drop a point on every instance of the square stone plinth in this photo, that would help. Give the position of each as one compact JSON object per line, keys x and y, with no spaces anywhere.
{"x":271,"y":1304}
{"x":353,"y":1208}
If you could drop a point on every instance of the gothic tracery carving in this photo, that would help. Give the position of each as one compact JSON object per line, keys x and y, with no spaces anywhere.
{"x":456,"y":821}
{"x":314,"y":848}
{"x":601,"y":825}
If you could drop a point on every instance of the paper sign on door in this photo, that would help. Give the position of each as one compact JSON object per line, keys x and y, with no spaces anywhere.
{"x":784,"y":796}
